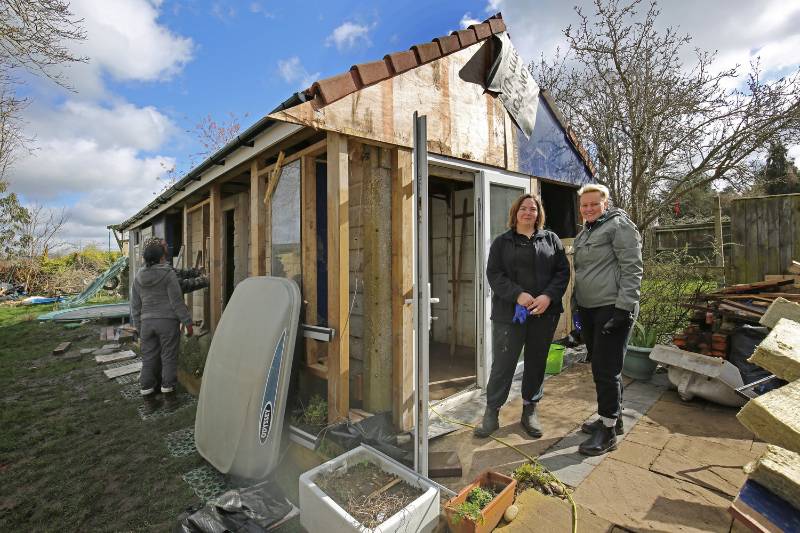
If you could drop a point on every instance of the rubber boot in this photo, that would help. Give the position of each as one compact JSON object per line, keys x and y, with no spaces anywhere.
{"x":530,"y":422}
{"x":489,"y":424}
{"x":589,"y":427}
{"x":603,"y":440}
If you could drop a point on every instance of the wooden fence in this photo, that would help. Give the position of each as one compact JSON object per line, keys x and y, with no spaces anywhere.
{"x":697,"y":238}
{"x":765,"y":237}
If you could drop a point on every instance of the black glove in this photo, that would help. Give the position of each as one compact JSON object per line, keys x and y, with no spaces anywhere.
{"x":619,"y":320}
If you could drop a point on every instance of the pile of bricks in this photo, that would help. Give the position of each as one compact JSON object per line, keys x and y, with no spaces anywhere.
{"x":717,"y":314}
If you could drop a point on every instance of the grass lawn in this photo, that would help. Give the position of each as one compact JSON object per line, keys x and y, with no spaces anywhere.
{"x":74,"y":454}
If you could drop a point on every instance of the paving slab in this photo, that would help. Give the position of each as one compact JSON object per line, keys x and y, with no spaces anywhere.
{"x":115,"y":357}
{"x":123,"y":370}
{"x":540,"y":513}
{"x":635,"y":454}
{"x":635,"y":498}
{"x":704,"y":462}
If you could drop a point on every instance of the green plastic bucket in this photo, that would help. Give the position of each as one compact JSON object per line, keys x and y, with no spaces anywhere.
{"x":555,"y":359}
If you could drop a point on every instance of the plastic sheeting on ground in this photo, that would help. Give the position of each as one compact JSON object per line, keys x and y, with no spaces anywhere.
{"x":262,"y":507}
{"x":376,"y":431}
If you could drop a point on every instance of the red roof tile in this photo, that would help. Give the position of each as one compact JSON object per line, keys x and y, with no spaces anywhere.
{"x":448,"y":43}
{"x":466,"y":37}
{"x":482,"y":30}
{"x":373,"y":72}
{"x":331,"y":89}
{"x":427,"y":52}
{"x":402,"y":61}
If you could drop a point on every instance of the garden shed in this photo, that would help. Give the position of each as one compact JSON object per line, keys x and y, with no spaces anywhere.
{"x":343,"y":189}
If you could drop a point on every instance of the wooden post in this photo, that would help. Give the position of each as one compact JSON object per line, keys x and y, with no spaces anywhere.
{"x":258,"y":223}
{"x":377,"y":231}
{"x":187,"y":253}
{"x":338,"y":277}
{"x":215,"y":255}
{"x":402,"y":289}
{"x":719,"y":248}
{"x":308,"y":238}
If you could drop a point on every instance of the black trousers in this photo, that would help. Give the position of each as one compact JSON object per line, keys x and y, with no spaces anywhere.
{"x":535,"y":334}
{"x":606,"y":353}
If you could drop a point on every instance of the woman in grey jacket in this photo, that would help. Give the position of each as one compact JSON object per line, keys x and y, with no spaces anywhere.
{"x":157,"y":312}
{"x":608,"y":276}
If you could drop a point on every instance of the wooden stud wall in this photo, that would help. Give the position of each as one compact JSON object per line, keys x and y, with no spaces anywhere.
{"x":215,"y":255}
{"x":258,"y":222}
{"x":308,"y":239}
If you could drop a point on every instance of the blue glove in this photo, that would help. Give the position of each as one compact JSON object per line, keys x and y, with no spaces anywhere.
{"x":520,"y":314}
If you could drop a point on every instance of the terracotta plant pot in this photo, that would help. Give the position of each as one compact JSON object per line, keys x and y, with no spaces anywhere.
{"x":503,"y":485}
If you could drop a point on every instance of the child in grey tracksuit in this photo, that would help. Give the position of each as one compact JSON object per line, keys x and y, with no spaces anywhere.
{"x":157,"y":310}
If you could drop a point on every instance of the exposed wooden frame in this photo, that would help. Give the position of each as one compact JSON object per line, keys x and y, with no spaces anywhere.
{"x":198,"y":205}
{"x":402,"y":290}
{"x":338,"y":277}
{"x":187,"y":252}
{"x":315,"y":149}
{"x":258,"y":223}
{"x":215,"y":255}
{"x":308,"y":238}
{"x":274,"y":176}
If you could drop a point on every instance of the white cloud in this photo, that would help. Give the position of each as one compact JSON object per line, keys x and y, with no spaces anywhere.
{"x":294,"y":73}
{"x":257,"y":7}
{"x":348,"y":35}
{"x":468,"y":20}
{"x":493,"y":6}
{"x":125,"y":40}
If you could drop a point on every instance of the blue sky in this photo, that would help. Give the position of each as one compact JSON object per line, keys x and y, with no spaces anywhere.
{"x":157,"y":67}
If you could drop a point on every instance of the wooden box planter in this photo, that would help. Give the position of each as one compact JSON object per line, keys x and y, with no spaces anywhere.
{"x":503,"y":485}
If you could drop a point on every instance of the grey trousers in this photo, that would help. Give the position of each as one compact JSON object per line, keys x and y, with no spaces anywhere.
{"x":160,"y":343}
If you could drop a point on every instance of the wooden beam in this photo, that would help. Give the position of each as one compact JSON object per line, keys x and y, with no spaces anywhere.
{"x":258,"y":223}
{"x":215,"y":255}
{"x":308,"y":238}
{"x":376,"y":197}
{"x":402,"y":289}
{"x":187,"y":253}
{"x":313,"y":150}
{"x":198,"y":205}
{"x":274,"y":176}
{"x":338,"y":277}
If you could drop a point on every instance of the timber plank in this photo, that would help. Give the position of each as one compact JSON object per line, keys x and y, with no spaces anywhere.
{"x":258,"y":222}
{"x":216,"y":279}
{"x":402,"y":287}
{"x":114,"y":357}
{"x":773,"y":255}
{"x":308,"y":238}
{"x":753,"y":269}
{"x":338,"y":364}
{"x":112,"y":373}
{"x":763,"y":238}
{"x":61,"y":348}
{"x":786,"y":231}
{"x":738,"y":267}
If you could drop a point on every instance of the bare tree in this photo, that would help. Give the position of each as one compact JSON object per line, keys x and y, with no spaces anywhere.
{"x":38,"y":234}
{"x":655,"y":127}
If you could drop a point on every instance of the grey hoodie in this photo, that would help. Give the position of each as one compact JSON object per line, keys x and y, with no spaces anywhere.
{"x":157,"y":294}
{"x":608,"y":262}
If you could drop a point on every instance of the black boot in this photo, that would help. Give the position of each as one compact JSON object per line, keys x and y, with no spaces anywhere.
{"x":151,"y":404}
{"x":530,"y":422}
{"x":171,"y":400}
{"x":589,"y":427}
{"x":489,"y":424}
{"x":603,"y":440}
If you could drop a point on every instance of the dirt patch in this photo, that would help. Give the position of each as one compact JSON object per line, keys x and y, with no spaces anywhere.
{"x":362,"y":492}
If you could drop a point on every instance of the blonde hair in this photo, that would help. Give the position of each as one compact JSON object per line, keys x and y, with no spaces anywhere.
{"x":594,"y":187}
{"x":512,"y":213}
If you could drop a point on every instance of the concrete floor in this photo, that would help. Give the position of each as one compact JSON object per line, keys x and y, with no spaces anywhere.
{"x":678,"y":467}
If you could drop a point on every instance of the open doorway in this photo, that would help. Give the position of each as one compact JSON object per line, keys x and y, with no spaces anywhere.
{"x":560,"y":204}
{"x":452,"y":359}
{"x":229,"y":232}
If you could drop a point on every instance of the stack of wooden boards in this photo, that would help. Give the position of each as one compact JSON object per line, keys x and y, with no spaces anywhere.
{"x":717,"y":314}
{"x":775,"y":418}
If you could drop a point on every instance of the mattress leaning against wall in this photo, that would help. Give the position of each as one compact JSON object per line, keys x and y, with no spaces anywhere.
{"x":246,"y":379}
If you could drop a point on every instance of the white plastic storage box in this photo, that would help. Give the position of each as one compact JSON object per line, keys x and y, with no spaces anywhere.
{"x":319,"y":513}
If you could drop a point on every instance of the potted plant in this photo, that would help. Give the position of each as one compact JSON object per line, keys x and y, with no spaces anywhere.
{"x":479,"y":507}
{"x":671,"y":279}
{"x":637,"y":363}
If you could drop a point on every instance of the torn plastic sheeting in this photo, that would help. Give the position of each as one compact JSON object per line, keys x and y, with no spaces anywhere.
{"x":743,"y":343}
{"x":376,"y":431}
{"x":262,"y":507}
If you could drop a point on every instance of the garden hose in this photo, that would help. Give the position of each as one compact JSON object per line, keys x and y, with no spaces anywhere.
{"x":529,"y":458}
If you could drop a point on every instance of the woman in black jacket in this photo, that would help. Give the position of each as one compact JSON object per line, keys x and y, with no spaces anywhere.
{"x":528,"y":272}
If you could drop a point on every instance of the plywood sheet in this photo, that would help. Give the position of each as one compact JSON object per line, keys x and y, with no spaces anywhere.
{"x":463,"y":120}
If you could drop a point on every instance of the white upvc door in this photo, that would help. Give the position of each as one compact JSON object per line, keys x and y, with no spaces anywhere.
{"x":494,"y":195}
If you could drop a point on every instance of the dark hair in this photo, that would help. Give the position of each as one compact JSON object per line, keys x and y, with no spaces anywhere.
{"x":512,"y":213}
{"x":153,"y":252}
